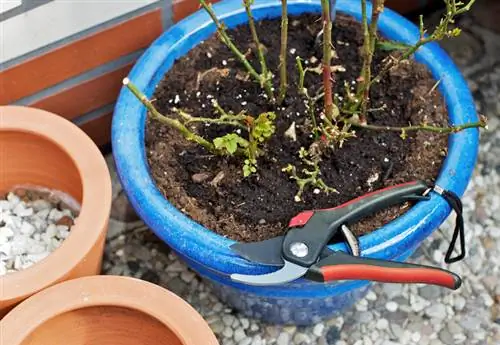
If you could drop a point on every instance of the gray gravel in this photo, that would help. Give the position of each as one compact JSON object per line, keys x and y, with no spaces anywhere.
{"x":389,"y":314}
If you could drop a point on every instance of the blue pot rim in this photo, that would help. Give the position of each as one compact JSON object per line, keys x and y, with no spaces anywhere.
{"x":211,"y":250}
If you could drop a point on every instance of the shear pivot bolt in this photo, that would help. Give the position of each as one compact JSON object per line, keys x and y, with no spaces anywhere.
{"x":299,"y":249}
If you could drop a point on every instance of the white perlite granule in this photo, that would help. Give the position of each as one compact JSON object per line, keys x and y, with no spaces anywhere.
{"x":29,"y":231}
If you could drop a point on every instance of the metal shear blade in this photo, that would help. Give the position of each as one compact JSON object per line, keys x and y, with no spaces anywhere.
{"x":288,"y":273}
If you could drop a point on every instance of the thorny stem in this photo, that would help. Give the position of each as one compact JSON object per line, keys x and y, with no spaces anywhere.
{"x":224,"y":119}
{"x":221,"y":29}
{"x":444,"y":130}
{"x":264,"y":75}
{"x":327,"y":58}
{"x":283,"y":51}
{"x":168,"y":121}
{"x":370,"y":38}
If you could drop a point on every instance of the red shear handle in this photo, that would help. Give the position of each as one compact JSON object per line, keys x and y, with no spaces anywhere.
{"x":341,"y":266}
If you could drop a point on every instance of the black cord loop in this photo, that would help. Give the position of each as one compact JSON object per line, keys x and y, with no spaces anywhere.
{"x":456,"y":204}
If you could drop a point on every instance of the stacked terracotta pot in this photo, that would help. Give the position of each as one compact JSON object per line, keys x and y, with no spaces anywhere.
{"x":61,"y":300}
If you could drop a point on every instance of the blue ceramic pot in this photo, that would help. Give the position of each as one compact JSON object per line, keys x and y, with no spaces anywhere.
{"x":301,"y":302}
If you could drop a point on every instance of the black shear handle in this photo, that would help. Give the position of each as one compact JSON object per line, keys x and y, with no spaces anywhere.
{"x":315,"y":229}
{"x":341,"y":266}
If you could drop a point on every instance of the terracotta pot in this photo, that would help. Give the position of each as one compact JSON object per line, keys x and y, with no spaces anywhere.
{"x":43,"y":149}
{"x":105,"y":310}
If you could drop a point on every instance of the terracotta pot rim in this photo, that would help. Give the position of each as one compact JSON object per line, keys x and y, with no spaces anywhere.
{"x":95,"y":206}
{"x":155,"y":301}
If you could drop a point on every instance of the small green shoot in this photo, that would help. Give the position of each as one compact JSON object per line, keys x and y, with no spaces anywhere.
{"x":230,"y":143}
{"x":311,"y":176}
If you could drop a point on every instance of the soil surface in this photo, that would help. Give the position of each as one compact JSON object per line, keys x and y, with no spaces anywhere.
{"x":211,"y":189}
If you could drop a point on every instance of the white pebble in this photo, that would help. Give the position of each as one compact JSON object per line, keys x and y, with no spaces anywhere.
{"x":257,"y":340}
{"x":224,"y":62}
{"x":21,"y":211}
{"x":244,"y":323}
{"x":391,"y":306}
{"x":371,"y":296}
{"x":6,"y":249}
{"x":3,"y":239}
{"x":13,"y":221}
{"x":6,"y":232}
{"x":301,"y":338}
{"x":438,"y":256}
{"x":318,"y":329}
{"x":187,"y":276}
{"x":43,"y":214}
{"x":382,"y":324}
{"x":18,"y":264}
{"x":55,"y":215}
{"x":239,"y":334}
{"x":4,"y":205}
{"x":13,"y":200}
{"x":51,"y":231}
{"x":228,"y":320}
{"x":62,"y":232}
{"x":40,"y":204}
{"x":27,"y":228}
{"x":228,"y":332}
{"x":29,"y":231}
{"x":416,"y":336}
{"x":437,"y":311}
{"x":245,"y":341}
{"x":283,"y":339}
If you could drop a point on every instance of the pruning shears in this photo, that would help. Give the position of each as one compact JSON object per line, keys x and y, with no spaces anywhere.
{"x":303,"y":251}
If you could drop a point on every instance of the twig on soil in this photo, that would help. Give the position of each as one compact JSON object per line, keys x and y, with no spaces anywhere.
{"x":434,"y":87}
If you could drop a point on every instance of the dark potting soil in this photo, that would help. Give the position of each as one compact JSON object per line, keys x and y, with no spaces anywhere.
{"x":211,"y":189}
